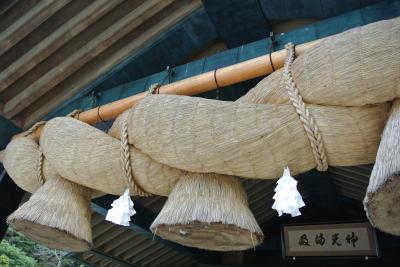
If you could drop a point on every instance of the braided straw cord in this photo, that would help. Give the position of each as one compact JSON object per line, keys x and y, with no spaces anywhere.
{"x":41,"y":123}
{"x":39,"y":174}
{"x":311,"y":128}
{"x":126,"y":162}
{"x":33,"y":128}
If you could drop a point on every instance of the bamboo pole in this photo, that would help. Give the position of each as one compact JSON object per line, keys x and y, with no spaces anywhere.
{"x":201,"y":83}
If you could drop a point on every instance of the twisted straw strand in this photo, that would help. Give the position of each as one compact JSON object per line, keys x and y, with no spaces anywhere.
{"x":308,"y":122}
{"x":126,"y":162}
{"x":39,"y":174}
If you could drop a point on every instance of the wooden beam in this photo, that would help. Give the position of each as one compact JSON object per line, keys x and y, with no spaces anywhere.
{"x":77,"y":81}
{"x":89,"y":51}
{"x":28,"y":22}
{"x":51,"y":43}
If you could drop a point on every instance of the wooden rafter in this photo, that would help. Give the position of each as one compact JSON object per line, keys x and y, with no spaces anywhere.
{"x":6,"y":5}
{"x":89,"y":51}
{"x":28,"y":22}
{"x":102,"y":64}
{"x":54,"y":41}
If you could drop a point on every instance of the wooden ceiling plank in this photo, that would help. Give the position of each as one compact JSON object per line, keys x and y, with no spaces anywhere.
{"x":106,"y":237}
{"x":139,"y":250}
{"x":95,"y":260}
{"x":159,"y":255}
{"x":171,"y":261}
{"x":139,"y":258}
{"x":101,"y":228}
{"x":118,"y":240}
{"x":14,"y":11}
{"x":185,"y":262}
{"x":113,"y":259}
{"x":6,"y":5}
{"x":83,"y":55}
{"x":96,"y":219}
{"x":70,"y":90}
{"x":54,"y":41}
{"x":28,"y":22}
{"x":128,"y":245}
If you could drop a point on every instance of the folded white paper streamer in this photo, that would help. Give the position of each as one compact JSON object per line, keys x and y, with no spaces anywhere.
{"x":287,"y":199}
{"x":122,"y":210}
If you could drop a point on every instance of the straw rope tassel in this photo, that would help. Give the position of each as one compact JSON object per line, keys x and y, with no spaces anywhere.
{"x":311,"y":128}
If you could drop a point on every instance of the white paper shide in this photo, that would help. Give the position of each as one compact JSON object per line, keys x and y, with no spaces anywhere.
{"x":287,"y":198}
{"x":122,"y":210}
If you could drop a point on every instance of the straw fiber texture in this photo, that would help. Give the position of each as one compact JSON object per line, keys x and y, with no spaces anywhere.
{"x":173,"y":133}
{"x":22,"y":162}
{"x":90,"y":157}
{"x":57,"y":215}
{"x":208,"y":211}
{"x":358,"y":67}
{"x":383,"y":194}
{"x":250,"y":140}
{"x":346,"y":82}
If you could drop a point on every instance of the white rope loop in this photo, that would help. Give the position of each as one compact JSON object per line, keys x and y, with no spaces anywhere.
{"x":311,"y":128}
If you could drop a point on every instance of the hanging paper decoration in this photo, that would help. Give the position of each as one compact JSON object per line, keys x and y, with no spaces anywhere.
{"x":122,"y":210}
{"x":287,"y":199}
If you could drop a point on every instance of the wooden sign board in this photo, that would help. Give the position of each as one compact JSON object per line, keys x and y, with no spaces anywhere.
{"x":330,"y":240}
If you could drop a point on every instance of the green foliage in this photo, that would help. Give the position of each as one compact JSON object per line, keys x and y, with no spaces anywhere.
{"x":43,"y":256}
{"x":4,"y":261}
{"x":17,"y":258}
{"x":20,"y":241}
{"x":69,"y":262}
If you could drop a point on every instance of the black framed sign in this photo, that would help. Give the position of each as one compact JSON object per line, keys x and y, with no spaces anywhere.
{"x":330,"y":240}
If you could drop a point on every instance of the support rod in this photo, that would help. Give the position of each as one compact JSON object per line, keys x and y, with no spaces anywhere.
{"x":201,"y":83}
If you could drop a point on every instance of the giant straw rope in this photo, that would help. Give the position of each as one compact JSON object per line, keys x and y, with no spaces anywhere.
{"x":318,"y":110}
